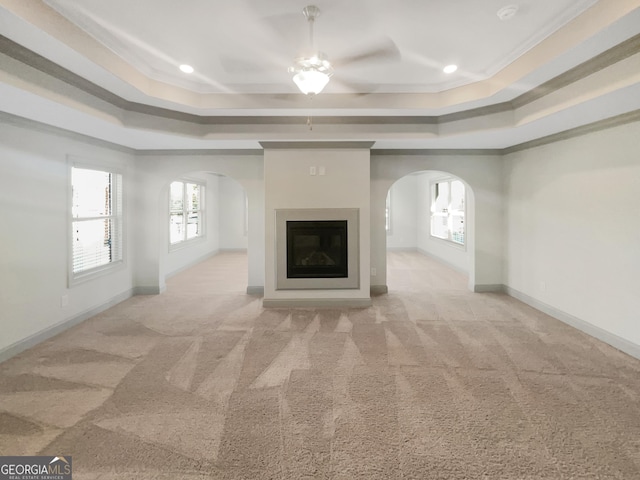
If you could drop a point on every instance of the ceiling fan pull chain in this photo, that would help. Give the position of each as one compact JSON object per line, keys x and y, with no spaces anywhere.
{"x":310,"y":116}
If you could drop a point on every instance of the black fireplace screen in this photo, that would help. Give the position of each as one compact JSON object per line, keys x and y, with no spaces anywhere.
{"x":317,"y":249}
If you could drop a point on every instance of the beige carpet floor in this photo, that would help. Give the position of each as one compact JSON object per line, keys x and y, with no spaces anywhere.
{"x":431,"y":382}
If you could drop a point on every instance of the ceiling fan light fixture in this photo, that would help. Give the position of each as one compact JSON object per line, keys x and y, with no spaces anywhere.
{"x":311,"y":81}
{"x":311,"y":74}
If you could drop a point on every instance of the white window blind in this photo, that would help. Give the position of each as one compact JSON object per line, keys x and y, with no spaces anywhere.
{"x":96,"y":222}
{"x":448,"y":210}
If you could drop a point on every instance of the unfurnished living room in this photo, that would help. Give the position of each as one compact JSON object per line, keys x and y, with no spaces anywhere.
{"x":343,"y":240}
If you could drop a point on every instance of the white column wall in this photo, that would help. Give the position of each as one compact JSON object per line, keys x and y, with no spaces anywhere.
{"x":288,"y":184}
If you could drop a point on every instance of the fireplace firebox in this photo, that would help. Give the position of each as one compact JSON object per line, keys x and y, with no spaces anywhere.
{"x":317,"y":249}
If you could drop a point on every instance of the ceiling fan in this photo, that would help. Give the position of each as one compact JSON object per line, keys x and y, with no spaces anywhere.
{"x":311,"y":72}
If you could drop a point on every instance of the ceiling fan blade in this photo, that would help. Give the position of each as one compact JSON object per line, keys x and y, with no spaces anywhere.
{"x":385,"y":51}
{"x":352,"y":87}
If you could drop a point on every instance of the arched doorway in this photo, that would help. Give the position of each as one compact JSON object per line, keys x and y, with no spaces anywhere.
{"x":204,"y":214}
{"x":428,"y":216}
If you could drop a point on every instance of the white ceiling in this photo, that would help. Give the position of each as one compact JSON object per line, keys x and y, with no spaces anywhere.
{"x":247,"y":45}
{"x":241,"y":50}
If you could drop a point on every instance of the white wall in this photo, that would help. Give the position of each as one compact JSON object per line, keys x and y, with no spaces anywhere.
{"x":404,"y":214}
{"x":288,"y":184}
{"x":573,"y":228}
{"x":231,"y":201}
{"x":34,"y":232}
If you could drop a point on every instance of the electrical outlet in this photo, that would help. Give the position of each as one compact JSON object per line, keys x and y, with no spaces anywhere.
{"x":374,"y":272}
{"x":543,"y":286}
{"x":64,"y":300}
{"x":322,"y":171}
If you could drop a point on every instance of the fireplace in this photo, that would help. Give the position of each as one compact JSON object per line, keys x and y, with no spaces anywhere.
{"x":317,"y":249}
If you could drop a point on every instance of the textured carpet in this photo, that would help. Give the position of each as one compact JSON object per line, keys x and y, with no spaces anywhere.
{"x":431,"y":382}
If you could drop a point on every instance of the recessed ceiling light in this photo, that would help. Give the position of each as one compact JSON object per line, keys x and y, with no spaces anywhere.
{"x":450,"y":68}
{"x":186,"y":68}
{"x":507,"y":12}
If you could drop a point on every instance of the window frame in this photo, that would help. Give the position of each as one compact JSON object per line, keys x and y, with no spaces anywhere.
{"x":185,"y":242}
{"x":432,"y":214}
{"x":119,"y":209}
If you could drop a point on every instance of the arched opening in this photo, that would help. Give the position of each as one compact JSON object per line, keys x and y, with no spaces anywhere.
{"x":429,"y":217}
{"x":203,"y":215}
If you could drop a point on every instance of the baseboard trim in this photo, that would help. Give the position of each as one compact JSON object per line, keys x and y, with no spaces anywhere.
{"x":317,"y":303}
{"x":49,"y":332}
{"x":488,"y":287}
{"x":148,"y":290}
{"x":612,"y":339}
{"x":378,"y":289}
{"x":255,"y":290}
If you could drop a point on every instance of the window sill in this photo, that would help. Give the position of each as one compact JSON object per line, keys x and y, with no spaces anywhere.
{"x":451,"y":243}
{"x":95,"y":273}
{"x":186,"y":244}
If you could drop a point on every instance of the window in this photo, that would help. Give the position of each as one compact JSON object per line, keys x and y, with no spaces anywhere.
{"x":447,"y":210}
{"x":96,"y":221}
{"x":185,"y":212}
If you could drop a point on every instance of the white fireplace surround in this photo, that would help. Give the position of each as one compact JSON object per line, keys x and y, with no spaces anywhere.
{"x":351,"y":215}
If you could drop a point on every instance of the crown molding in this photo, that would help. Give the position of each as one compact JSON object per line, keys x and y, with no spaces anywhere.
{"x":316,"y":145}
{"x":599,"y":62}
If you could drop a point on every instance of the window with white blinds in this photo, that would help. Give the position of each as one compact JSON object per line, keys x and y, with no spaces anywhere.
{"x":96,"y":221}
{"x":186,"y":211}
{"x":448,"y":211}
